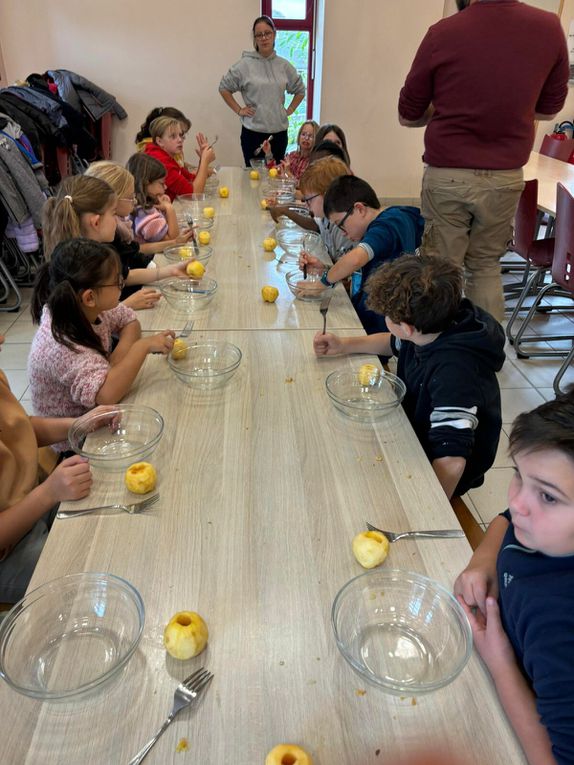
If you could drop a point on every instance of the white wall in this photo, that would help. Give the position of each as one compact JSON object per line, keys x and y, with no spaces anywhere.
{"x":148,"y":59}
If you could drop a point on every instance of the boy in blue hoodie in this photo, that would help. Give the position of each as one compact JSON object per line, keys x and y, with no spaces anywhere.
{"x":449,"y":351}
{"x":382,"y":235}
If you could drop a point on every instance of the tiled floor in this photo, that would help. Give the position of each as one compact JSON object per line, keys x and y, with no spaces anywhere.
{"x":524,"y":384}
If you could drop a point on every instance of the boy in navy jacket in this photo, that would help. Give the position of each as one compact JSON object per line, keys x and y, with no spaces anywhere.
{"x":526,"y":560}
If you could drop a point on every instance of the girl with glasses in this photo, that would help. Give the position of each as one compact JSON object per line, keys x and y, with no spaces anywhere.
{"x":75,"y":301}
{"x":262,"y":77}
{"x":296,"y":162}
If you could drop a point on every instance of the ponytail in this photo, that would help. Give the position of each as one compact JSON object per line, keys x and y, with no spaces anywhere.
{"x":61,"y":214}
{"x":76,"y":265}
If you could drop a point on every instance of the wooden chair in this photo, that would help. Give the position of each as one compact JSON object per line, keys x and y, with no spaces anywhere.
{"x":470,"y":526}
{"x":537,"y":253}
{"x":562,"y":280}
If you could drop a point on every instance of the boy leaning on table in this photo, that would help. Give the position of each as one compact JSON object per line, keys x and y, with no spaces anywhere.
{"x":526,"y":560}
{"x":27,"y":507}
{"x":449,"y":351}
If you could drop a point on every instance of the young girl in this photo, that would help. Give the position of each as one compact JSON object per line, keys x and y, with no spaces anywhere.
{"x":296,"y":162}
{"x":313,"y":185}
{"x":144,"y":137}
{"x":76,"y":303}
{"x":333,"y":133}
{"x":86,"y":206}
{"x":168,"y":136}
{"x":154,"y":220}
{"x":122,"y":182}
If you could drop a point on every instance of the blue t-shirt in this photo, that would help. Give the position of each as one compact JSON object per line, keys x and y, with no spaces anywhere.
{"x":537,"y":607}
{"x":394,"y":232}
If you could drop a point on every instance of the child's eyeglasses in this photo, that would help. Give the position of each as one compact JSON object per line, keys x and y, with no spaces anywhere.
{"x":308,"y":199}
{"x":263,"y":35}
{"x":133,"y":199}
{"x":120,"y":283}
{"x":341,"y":224}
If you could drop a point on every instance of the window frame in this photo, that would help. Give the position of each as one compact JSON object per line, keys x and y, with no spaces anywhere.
{"x":308,"y":24}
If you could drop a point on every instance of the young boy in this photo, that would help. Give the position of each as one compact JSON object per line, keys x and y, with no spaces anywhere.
{"x":313,"y":185}
{"x":448,"y":354}
{"x":526,"y":559}
{"x":352,"y":205}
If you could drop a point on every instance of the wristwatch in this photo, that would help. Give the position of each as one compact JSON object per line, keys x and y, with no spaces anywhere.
{"x":324,"y":279}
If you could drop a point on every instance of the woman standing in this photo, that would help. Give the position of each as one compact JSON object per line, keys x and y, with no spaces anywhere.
{"x":262,"y":77}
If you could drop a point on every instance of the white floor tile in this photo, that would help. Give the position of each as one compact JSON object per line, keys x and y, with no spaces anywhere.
{"x":548,"y":393}
{"x":14,"y":356}
{"x":467,"y":499}
{"x":517,"y":400}
{"x":491,"y":498}
{"x":541,"y":372}
{"x":511,"y":377}
{"x":20,"y":332}
{"x":18,"y":380}
{"x":502,"y":459}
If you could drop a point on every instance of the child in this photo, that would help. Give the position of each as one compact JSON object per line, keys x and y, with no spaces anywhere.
{"x":27,"y":507}
{"x":168,"y":136}
{"x":154,"y":219}
{"x":144,"y":137}
{"x":76,"y":303}
{"x":334,"y":134}
{"x":352,"y":205}
{"x":526,"y":560}
{"x":296,"y":162}
{"x":86,"y":206}
{"x":123,"y":184}
{"x":313,"y":184}
{"x":448,"y":354}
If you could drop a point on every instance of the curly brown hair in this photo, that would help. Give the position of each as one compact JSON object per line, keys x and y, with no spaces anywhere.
{"x":422,"y":290}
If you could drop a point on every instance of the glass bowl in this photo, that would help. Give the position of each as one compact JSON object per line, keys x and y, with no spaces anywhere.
{"x":180,"y":252}
{"x":401,"y":631}
{"x":189,"y":210}
{"x":188,"y":295}
{"x":281,"y":193}
{"x":294,"y":239}
{"x":382,"y":394}
{"x":310,"y":289}
{"x":207,"y":365}
{"x":116,"y":438}
{"x":70,"y":635}
{"x":258,"y":164}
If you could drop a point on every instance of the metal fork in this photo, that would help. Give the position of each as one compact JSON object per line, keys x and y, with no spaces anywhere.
{"x":324,"y":308}
{"x":135,"y":507}
{"x":259,"y":149}
{"x":185,"y":693}
{"x":393,"y":536}
{"x":186,"y":331}
{"x":212,"y":144}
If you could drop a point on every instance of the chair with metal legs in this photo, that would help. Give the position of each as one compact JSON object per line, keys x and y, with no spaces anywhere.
{"x":562,"y":281}
{"x":537,"y":253}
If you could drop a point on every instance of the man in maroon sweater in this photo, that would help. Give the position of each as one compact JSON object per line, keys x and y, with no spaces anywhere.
{"x":479,"y":80}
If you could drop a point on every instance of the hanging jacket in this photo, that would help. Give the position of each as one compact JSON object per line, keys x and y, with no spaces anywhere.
{"x":31,"y":119}
{"x":41,"y":101}
{"x":24,"y":179}
{"x":13,"y":131}
{"x":11,"y":198}
{"x":25,"y":234}
{"x":79,"y":91}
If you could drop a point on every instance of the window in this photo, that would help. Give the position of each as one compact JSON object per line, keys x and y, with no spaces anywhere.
{"x":295,"y":22}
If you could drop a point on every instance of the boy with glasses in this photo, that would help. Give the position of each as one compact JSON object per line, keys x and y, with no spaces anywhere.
{"x":382,"y":235}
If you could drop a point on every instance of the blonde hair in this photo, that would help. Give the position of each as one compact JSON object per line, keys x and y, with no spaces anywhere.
{"x":158,"y":126}
{"x":116,"y":176}
{"x":76,"y":196}
{"x":321,"y":174}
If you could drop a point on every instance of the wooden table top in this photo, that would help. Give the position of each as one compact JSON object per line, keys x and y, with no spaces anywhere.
{"x":263,"y":485}
{"x":549,"y":172}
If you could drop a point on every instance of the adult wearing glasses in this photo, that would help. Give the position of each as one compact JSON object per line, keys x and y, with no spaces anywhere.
{"x":262,"y":77}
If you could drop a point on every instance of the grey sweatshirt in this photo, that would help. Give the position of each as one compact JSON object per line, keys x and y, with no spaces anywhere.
{"x":263,"y":83}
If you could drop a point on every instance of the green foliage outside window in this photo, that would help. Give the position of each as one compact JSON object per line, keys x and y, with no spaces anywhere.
{"x":294,"y":46}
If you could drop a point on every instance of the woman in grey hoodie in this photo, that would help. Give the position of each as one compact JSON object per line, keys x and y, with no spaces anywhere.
{"x":262,"y":77}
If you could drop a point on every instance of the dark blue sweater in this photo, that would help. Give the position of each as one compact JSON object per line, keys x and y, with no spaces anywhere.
{"x":537,"y":607}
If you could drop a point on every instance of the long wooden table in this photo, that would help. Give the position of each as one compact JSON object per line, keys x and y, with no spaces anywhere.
{"x":263,"y":485}
{"x":549,"y":172}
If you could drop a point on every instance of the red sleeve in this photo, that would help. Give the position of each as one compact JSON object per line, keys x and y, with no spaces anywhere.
{"x":417,"y":92}
{"x":555,"y":89}
{"x":178,"y":180}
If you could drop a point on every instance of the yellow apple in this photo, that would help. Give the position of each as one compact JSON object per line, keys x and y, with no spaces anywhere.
{"x":140,"y":478}
{"x":370,"y":548}
{"x":264,"y":204}
{"x":195,"y":269}
{"x":180,"y":348}
{"x":254,"y":175}
{"x":269,"y":244}
{"x":209,"y":212}
{"x":288,"y":754}
{"x":184,"y":253}
{"x":269,"y":294}
{"x":223,"y":192}
{"x":185,"y":635}
{"x":204,"y":237}
{"x":273,"y":172}
{"x":369,"y":374}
